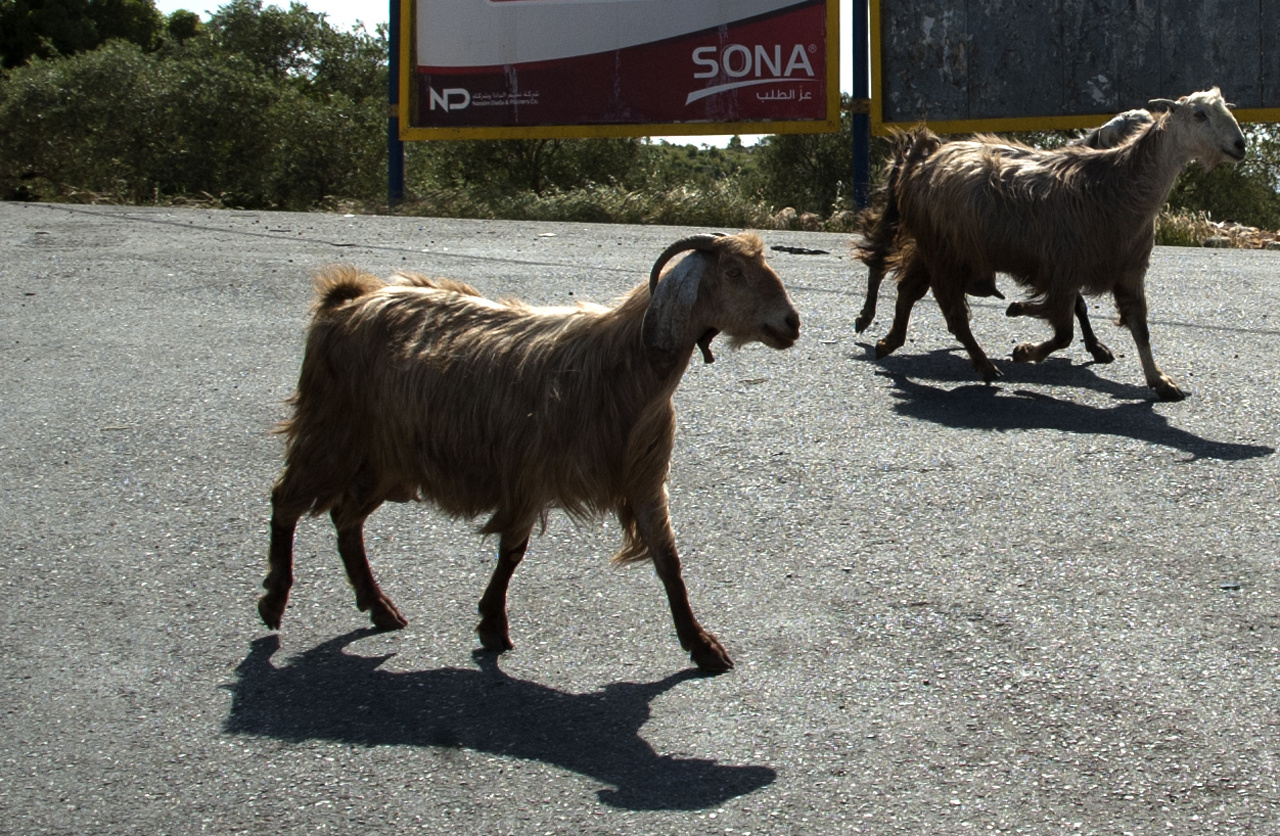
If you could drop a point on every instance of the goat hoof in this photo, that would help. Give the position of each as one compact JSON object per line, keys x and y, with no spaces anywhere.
{"x":862,"y":323}
{"x":271,"y":610}
{"x":884,"y":349}
{"x":990,"y":374}
{"x":1025,"y":353}
{"x":385,"y":616}
{"x":494,"y":639}
{"x":711,"y":656}
{"x":1101,"y":354}
{"x":1168,"y":391}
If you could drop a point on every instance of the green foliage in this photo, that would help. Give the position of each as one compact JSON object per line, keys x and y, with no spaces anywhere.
{"x":1244,"y":193}
{"x":198,"y":117}
{"x":693,"y":166}
{"x":183,"y":25}
{"x":268,"y":107}
{"x":601,"y":180}
{"x":720,"y":205}
{"x":300,"y":46}
{"x":49,"y":28}
{"x":808,"y":172}
{"x":505,"y":167}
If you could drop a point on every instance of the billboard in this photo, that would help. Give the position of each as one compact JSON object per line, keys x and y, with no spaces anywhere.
{"x":489,"y":69}
{"x":1000,"y":65}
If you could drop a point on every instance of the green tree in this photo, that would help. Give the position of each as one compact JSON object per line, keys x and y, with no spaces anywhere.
{"x":197,"y":117}
{"x":301,"y":46}
{"x":1245,"y":192}
{"x":700,"y":167}
{"x":183,"y":25}
{"x":534,"y":165}
{"x":48,"y":28}
{"x":809,"y":172}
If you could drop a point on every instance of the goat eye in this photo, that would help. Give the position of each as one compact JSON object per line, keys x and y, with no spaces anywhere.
{"x":1201,"y":116}
{"x":733,"y":272}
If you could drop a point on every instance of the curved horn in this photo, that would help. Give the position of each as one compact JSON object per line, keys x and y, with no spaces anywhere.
{"x":1163,"y":104}
{"x":702,"y":241}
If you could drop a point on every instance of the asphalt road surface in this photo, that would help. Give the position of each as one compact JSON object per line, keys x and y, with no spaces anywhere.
{"x":1047,"y":606}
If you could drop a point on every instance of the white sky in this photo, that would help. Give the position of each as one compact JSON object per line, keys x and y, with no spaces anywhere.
{"x":343,"y":14}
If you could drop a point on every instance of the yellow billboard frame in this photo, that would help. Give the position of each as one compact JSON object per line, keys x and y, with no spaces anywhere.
{"x":408,"y":70}
{"x":879,"y":127}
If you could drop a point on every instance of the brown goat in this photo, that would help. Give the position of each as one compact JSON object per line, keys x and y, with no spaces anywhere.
{"x":1061,"y":222}
{"x":423,"y":390}
{"x":1115,"y":131}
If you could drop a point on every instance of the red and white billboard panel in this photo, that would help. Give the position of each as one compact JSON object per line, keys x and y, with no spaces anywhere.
{"x":610,"y":67}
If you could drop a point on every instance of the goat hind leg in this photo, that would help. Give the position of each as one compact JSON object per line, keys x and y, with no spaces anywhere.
{"x":349,"y":519}
{"x":493,"y":629}
{"x":913,"y":284}
{"x":868,"y":314}
{"x":1059,"y":317}
{"x":288,"y":505}
{"x":279,"y":578}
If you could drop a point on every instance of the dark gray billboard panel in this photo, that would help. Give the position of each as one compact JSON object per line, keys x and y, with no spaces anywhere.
{"x":968,"y":65}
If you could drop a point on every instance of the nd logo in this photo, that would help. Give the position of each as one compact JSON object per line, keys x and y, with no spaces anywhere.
{"x":450,"y":98}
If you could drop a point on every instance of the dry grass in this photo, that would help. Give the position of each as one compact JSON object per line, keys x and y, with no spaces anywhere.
{"x":1197,"y":229}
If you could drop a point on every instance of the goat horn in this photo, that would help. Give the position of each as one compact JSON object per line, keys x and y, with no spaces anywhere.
{"x":702,"y":241}
{"x":1163,"y":104}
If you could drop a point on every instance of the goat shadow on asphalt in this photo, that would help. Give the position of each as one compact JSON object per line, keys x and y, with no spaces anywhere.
{"x":979,"y":406}
{"x":328,"y":694}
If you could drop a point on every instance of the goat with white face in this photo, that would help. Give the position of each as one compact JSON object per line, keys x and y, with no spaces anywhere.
{"x":421,"y":389}
{"x":1061,"y":222}
{"x":1115,"y":131}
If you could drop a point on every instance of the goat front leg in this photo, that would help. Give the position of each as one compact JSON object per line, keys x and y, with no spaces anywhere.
{"x":1131,"y":302}
{"x":955,"y":309}
{"x":654,"y":524}
{"x":349,"y":522}
{"x":493,"y":628}
{"x":1101,"y":354}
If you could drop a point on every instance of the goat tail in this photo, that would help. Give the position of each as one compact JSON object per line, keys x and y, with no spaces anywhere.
{"x":340,"y":283}
{"x":878,"y":226}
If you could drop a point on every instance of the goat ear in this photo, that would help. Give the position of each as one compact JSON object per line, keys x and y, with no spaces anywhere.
{"x":666,"y":326}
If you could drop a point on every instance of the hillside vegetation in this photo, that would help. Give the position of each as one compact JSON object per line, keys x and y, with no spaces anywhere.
{"x":264,"y":108}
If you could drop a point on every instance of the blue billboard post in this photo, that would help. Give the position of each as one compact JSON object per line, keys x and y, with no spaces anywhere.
{"x":860,"y":43}
{"x":395,"y":146}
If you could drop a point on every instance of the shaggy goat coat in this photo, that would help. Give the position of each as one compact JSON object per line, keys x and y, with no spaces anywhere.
{"x":392,"y":393}
{"x":1062,"y":222}
{"x":421,"y":389}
